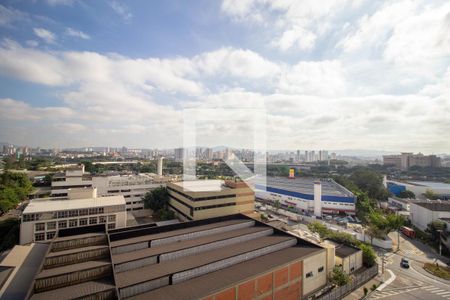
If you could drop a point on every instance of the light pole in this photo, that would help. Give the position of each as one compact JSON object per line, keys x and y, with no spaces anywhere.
{"x":440,"y":244}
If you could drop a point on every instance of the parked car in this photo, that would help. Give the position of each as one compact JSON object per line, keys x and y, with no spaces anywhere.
{"x":404,"y":263}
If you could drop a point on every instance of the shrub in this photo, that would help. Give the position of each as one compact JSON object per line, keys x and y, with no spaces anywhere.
{"x":365,"y":291}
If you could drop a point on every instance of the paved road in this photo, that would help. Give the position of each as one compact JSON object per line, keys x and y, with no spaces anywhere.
{"x":412,"y":283}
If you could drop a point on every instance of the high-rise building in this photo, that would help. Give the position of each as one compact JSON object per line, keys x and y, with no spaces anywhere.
{"x":179,"y":154}
{"x":407,"y":159}
{"x":323,"y":155}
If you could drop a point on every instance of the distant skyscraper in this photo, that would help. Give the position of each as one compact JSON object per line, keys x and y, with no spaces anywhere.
{"x":306,"y":156}
{"x":323,"y":155}
{"x":179,"y":154}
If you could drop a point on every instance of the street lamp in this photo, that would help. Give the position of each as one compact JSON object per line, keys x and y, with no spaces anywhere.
{"x":439,"y":241}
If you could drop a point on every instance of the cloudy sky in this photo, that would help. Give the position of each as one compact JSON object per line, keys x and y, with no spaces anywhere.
{"x":344,"y":74}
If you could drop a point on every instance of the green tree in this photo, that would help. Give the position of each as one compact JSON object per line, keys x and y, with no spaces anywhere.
{"x":407,"y":194}
{"x":374,"y":232}
{"x":434,"y":229}
{"x":277,"y":205}
{"x":394,"y":223}
{"x":339,"y":277}
{"x":429,"y":194}
{"x":369,"y":255}
{"x":371,"y":182}
{"x":156,"y":199}
{"x":319,"y":228}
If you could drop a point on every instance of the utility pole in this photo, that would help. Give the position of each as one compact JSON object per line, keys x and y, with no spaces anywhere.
{"x":382,"y":263}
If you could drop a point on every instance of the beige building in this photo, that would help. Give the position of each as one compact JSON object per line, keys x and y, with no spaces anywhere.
{"x":42,"y":218}
{"x":202,"y":199}
{"x":406,"y":160}
{"x":350,"y":258}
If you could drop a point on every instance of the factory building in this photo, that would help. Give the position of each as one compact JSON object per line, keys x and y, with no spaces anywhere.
{"x":306,"y":195}
{"x":231,"y":257}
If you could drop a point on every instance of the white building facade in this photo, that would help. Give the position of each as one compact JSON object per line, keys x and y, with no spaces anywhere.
{"x":41,"y":219}
{"x":423,"y":213}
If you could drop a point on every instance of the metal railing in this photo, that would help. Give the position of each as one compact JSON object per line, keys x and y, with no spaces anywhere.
{"x":357,"y":280}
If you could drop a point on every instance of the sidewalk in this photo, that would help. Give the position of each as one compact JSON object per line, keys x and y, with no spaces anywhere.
{"x":359,"y":292}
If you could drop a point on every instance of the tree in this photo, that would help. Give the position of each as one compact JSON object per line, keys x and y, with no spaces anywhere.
{"x":374,"y":232}
{"x":339,"y":277}
{"x":435,"y":227}
{"x":319,"y":228}
{"x":369,"y":255}
{"x":429,"y":194}
{"x":277,"y":205}
{"x":371,"y":182}
{"x":394,"y":223}
{"x":156,"y":199}
{"x":407,"y":194}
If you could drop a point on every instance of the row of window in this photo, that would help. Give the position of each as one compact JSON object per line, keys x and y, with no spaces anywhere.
{"x":201,"y":198}
{"x":74,"y":223}
{"x":311,"y":274}
{"x":73,"y":213}
{"x":42,"y":236}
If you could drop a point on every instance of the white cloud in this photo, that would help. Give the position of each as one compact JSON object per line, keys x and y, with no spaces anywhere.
{"x":122,"y":10}
{"x":10,"y":15}
{"x":45,"y":35}
{"x":11,"y":109}
{"x":298,"y":38}
{"x":77,"y":33}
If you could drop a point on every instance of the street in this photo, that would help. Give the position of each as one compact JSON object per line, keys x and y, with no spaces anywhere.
{"x":415,"y":282}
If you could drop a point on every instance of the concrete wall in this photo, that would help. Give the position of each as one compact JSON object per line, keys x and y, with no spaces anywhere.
{"x":318,"y":279}
{"x":421,"y":217}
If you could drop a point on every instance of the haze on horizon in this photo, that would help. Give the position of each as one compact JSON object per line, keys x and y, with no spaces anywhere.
{"x":347,"y":74}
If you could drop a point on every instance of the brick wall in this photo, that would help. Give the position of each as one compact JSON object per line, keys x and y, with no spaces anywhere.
{"x":283,"y":283}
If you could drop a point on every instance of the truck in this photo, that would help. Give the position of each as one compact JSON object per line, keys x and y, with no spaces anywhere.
{"x":409,"y":232}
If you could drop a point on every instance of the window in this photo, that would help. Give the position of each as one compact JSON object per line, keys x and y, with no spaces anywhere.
{"x":62,"y":224}
{"x":111,"y":225}
{"x":84,"y":212}
{"x":83,"y":221}
{"x":73,"y":223}
{"x":100,"y":210}
{"x":309,"y":274}
{"x":102,"y":219}
{"x":93,"y":211}
{"x":320,"y":269}
{"x":51,"y":235}
{"x":92,"y":220}
{"x":51,"y":226}
{"x":73,"y":213}
{"x":39,"y":236}
{"x":63,"y":214}
{"x":39,"y":227}
{"x":111,"y":218}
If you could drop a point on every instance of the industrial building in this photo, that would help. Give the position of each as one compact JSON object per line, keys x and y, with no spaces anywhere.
{"x":231,"y":257}
{"x":132,"y":187}
{"x":441,"y":189}
{"x":201,"y":199}
{"x":423,"y":213}
{"x":307,"y":195}
{"x":42,"y":218}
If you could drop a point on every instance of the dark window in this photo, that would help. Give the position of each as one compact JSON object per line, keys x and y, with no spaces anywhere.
{"x":320,"y":269}
{"x":309,"y":274}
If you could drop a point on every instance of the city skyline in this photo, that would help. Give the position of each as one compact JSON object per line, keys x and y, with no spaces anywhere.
{"x":340,"y":75}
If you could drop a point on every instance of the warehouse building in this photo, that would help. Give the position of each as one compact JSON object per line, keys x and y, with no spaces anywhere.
{"x":219,"y":258}
{"x":202,"y":199}
{"x":423,"y":213}
{"x":307,"y":195}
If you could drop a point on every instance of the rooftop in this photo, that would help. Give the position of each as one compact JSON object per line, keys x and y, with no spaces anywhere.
{"x":435,"y":205}
{"x":202,"y":185}
{"x":305,"y":185}
{"x":59,"y":205}
{"x":176,"y":261}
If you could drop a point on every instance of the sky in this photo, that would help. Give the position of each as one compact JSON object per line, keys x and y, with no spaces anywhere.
{"x":344,"y":74}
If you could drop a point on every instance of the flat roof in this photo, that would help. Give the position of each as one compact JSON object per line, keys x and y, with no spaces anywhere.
{"x":166,"y":268}
{"x":202,"y":185}
{"x":435,"y":205}
{"x":207,"y":284}
{"x":160,"y":235}
{"x":59,"y":205}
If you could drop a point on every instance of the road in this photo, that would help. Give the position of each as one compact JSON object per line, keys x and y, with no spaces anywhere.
{"x":412,"y":283}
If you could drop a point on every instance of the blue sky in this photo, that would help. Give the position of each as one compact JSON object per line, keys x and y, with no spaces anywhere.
{"x":347,"y":74}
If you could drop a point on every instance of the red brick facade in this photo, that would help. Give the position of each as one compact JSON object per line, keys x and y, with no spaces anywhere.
{"x":283,"y":283}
